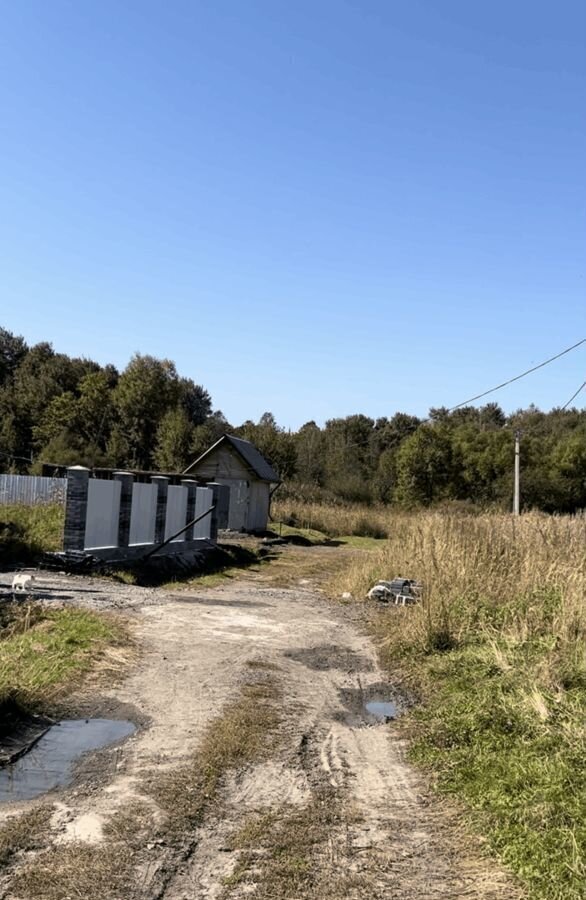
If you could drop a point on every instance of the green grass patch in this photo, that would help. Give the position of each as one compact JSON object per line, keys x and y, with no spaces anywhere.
{"x":361,"y":542}
{"x":44,"y":651}
{"x":513,"y":752}
{"x":311,"y":534}
{"x":26,"y":532}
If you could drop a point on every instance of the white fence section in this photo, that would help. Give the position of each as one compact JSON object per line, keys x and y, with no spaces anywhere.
{"x":176,"y":511}
{"x":204,"y":498}
{"x":120,"y":518}
{"x":142,"y":515}
{"x":103,"y":512}
{"x":31,"y":489}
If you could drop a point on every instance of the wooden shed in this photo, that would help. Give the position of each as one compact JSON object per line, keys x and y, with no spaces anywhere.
{"x":250,"y":477}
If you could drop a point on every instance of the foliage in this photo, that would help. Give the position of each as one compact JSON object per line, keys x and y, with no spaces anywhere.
{"x":174,"y":437}
{"x":73,"y":411}
{"x":68,"y":411}
{"x":273,"y":442}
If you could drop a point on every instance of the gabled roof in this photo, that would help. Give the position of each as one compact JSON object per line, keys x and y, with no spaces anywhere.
{"x":252,"y":457}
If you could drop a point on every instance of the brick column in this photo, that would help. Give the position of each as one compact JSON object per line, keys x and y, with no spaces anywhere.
{"x":76,"y":508}
{"x":222,"y":504}
{"x":162,"y":483}
{"x":191,"y":489}
{"x":126,"y":481}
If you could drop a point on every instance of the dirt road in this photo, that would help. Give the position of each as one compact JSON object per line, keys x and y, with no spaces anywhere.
{"x":197,"y":648}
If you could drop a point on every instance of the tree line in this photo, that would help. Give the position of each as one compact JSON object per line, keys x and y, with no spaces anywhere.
{"x":68,"y":411}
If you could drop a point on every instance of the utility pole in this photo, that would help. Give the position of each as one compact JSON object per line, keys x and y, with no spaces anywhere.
{"x":516,"y":493}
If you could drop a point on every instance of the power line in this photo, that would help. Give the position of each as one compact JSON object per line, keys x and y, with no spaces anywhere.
{"x":498,"y":388}
{"x":522,"y":375}
{"x":573,"y":397}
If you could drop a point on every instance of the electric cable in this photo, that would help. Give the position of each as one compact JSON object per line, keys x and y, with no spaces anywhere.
{"x":522,"y":375}
{"x":573,"y":397}
{"x":498,"y":388}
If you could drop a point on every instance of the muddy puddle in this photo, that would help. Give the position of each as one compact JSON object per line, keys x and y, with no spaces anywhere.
{"x":382,"y":710}
{"x":369,"y":705}
{"x":51,"y":761}
{"x":330,"y":656}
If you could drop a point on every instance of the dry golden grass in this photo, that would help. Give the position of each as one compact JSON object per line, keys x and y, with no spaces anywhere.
{"x":509,"y":577}
{"x":334,"y":521}
{"x":285,"y":854}
{"x":24,"y":831}
{"x":76,"y":871}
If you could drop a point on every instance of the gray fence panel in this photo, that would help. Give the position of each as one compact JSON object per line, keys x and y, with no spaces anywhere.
{"x":31,"y":489}
{"x":103,"y":512}
{"x":204,"y":498}
{"x":176,"y":511}
{"x":143,"y":513}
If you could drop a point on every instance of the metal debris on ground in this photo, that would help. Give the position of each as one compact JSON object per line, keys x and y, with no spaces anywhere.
{"x":400,"y":591}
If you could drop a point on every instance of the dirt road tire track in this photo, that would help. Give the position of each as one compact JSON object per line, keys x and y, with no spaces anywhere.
{"x":195,"y":649}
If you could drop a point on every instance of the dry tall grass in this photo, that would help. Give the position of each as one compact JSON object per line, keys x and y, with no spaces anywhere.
{"x":497,"y":652}
{"x":514,"y":578}
{"x":333,"y":520}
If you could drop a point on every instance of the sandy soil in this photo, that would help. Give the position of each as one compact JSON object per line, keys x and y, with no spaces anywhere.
{"x":195,"y":650}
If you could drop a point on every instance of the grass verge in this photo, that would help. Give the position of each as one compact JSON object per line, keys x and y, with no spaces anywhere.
{"x":44,"y":652}
{"x":223,"y":562}
{"x":333,"y":520}
{"x":26,"y":532}
{"x":497,"y":652}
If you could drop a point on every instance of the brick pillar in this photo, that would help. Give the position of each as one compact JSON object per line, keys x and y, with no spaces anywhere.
{"x":222,"y":504}
{"x":162,"y":483}
{"x":191,"y":489}
{"x":126,"y":481}
{"x":76,"y":508}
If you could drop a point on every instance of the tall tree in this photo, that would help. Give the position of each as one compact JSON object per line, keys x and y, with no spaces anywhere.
{"x":147,"y":389}
{"x":424,"y":467}
{"x":13,"y":349}
{"x":174,"y":441}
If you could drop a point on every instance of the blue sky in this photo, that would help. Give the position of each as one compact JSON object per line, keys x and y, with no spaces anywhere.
{"x":314,"y":208}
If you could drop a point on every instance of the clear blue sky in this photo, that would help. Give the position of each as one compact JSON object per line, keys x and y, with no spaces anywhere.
{"x":314,"y":208}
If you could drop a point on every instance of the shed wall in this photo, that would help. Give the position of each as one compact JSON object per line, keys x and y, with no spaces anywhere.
{"x":249,"y":498}
{"x":258,"y":509}
{"x":224,"y":463}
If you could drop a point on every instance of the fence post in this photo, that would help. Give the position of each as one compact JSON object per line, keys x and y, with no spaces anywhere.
{"x":162,"y":483}
{"x":191,"y":489}
{"x":126,"y":481}
{"x":76,"y":508}
{"x":222,"y":503}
